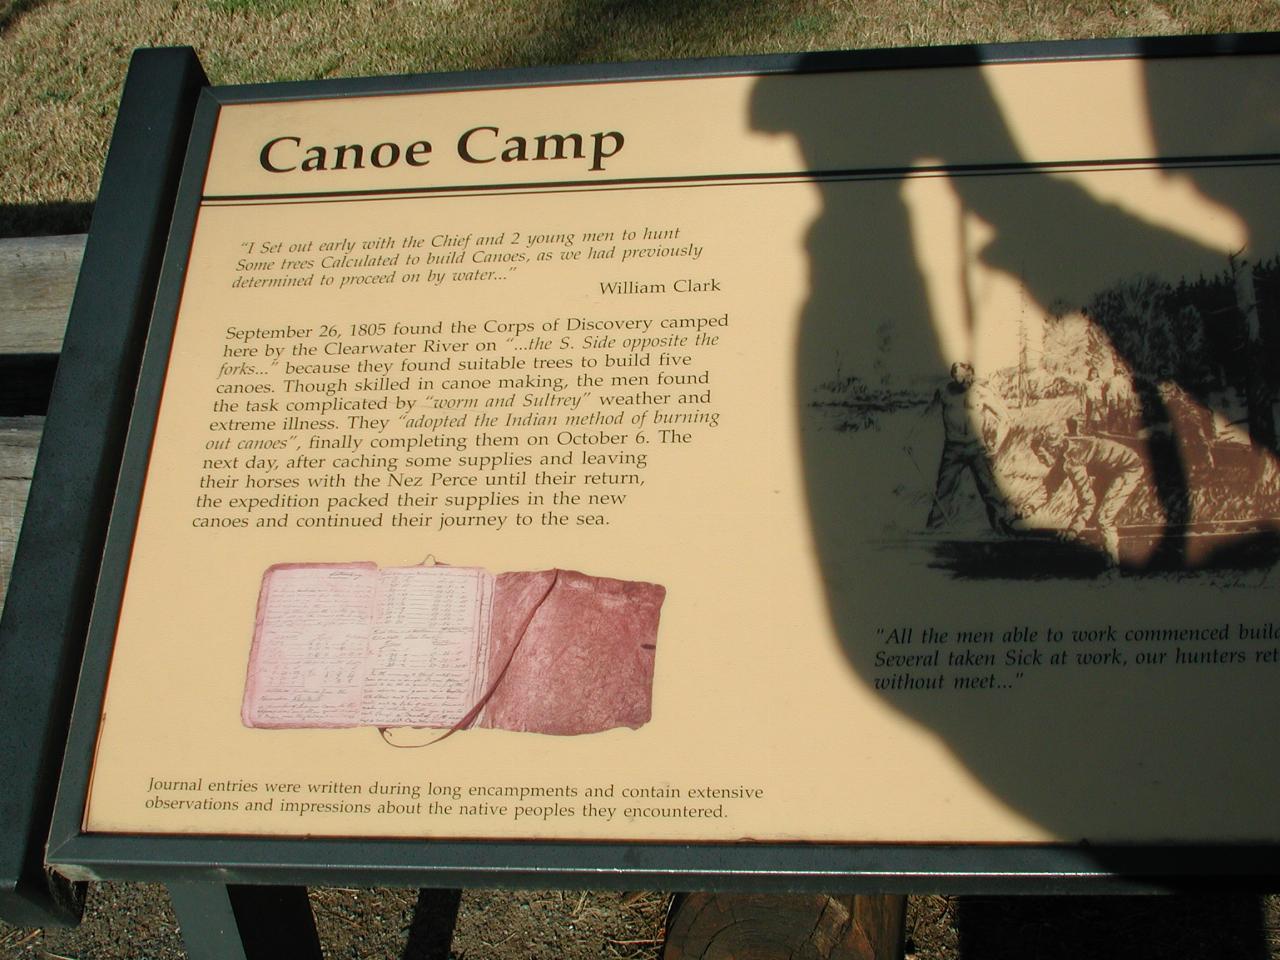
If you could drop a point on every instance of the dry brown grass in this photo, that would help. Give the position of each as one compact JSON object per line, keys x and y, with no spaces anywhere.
{"x":62,"y":61}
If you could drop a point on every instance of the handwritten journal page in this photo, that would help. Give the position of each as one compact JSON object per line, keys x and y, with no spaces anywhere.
{"x":342,"y":645}
{"x":426,"y":666}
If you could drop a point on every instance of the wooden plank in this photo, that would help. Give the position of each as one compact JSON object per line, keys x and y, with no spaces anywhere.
{"x":19,"y":439}
{"x":37,"y":279}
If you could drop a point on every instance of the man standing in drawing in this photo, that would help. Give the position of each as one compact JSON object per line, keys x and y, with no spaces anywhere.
{"x":1103,"y":474}
{"x":975,"y":422}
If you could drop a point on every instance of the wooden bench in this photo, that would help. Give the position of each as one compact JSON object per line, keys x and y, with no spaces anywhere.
{"x":37,"y":279}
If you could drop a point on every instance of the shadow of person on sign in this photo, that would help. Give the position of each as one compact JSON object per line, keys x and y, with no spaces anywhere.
{"x":959,"y":457}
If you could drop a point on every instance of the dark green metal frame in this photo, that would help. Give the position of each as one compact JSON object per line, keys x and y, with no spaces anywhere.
{"x":46,"y":614}
{"x":434,"y":863}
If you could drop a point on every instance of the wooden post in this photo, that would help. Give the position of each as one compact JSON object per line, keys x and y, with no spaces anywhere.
{"x":710,"y":926}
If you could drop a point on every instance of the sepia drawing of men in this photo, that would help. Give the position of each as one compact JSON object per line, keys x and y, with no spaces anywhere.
{"x":1093,"y":400}
{"x":973,"y":416}
{"x":1120,"y":399}
{"x":1103,"y":474}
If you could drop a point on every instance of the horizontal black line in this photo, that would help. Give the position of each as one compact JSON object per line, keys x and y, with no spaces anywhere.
{"x":851,"y":173}
{"x":490,"y":192}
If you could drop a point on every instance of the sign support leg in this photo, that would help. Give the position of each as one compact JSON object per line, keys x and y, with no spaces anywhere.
{"x":243,"y":922}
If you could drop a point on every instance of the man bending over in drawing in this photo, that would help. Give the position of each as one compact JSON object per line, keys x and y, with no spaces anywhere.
{"x":973,"y":415}
{"x":1103,"y":474}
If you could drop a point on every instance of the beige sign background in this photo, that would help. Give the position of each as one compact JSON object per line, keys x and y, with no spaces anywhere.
{"x":377,"y":361}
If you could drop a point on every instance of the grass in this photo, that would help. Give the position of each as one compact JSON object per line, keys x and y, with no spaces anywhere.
{"x":62,"y":61}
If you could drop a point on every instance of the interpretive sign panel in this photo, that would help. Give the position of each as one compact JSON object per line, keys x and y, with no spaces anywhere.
{"x":809,"y":450}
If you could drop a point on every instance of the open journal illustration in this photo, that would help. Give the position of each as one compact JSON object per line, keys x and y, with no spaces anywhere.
{"x":350,"y":644}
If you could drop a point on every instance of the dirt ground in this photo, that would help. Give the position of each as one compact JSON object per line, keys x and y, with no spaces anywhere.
{"x":125,"y":921}
{"x":135,"y":922}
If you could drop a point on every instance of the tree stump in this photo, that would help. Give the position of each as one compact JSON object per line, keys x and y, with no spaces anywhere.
{"x":708,"y":926}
